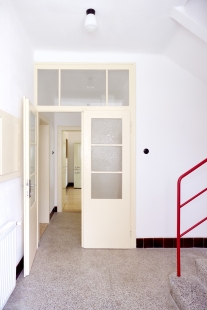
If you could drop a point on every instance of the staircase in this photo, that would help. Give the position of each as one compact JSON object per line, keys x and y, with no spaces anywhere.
{"x":181,"y":205}
{"x":190,"y":292}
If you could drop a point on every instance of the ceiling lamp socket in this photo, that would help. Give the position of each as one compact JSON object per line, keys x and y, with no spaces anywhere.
{"x":90,"y":21}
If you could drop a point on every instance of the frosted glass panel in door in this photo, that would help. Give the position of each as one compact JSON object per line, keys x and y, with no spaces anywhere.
{"x":106,"y":131}
{"x":32,"y":158}
{"x":48,"y":87}
{"x":83,"y":87}
{"x":32,"y":120}
{"x":118,"y":87}
{"x":106,"y":158}
{"x":106,"y":186}
{"x":32,"y":141}
{"x":33,"y":190}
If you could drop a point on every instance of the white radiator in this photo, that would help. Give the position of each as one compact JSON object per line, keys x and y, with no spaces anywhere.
{"x":7,"y":261}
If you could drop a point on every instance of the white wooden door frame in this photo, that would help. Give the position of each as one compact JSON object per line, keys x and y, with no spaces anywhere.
{"x":68,"y":109}
{"x":132,"y":108}
{"x":60,"y":129}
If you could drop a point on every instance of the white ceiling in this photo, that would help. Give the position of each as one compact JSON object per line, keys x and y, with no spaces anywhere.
{"x":133,"y":26}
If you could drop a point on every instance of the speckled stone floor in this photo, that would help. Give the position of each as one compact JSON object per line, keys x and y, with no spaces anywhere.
{"x":65,"y":276}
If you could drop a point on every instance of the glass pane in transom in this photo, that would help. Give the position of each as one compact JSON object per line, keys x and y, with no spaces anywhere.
{"x":118,"y":87}
{"x":83,"y":87}
{"x":48,"y":87}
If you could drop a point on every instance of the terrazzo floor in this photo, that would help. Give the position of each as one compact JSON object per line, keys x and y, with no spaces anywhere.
{"x":66,"y":276}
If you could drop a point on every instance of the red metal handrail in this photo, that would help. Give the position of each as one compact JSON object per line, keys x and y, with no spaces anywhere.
{"x":179,"y":206}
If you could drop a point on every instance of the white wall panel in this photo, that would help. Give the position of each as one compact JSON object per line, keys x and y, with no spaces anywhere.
{"x":16,"y":79}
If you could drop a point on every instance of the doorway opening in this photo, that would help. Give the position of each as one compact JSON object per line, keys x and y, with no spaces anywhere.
{"x":58,"y":189}
{"x":106,"y":175}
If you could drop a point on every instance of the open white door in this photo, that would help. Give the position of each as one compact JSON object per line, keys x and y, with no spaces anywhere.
{"x":30,"y":185}
{"x":106,"y":179}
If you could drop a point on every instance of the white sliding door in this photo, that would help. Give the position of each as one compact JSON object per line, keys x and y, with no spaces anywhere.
{"x":106,"y":179}
{"x":30,"y":185}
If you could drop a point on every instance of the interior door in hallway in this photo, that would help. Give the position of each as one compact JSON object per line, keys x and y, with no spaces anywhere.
{"x":106,"y":179}
{"x":30,"y":185}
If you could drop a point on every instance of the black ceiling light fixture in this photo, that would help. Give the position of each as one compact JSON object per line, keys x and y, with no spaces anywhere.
{"x":90,"y":21}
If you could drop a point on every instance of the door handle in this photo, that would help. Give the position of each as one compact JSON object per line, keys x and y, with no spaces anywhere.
{"x":30,"y":188}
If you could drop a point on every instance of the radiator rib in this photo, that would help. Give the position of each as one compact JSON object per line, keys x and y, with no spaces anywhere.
{"x":7,"y":261}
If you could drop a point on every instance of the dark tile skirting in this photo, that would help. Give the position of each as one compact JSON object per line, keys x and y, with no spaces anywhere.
{"x":171,"y":243}
{"x":20,"y":267}
{"x":146,"y":243}
{"x":52,"y":212}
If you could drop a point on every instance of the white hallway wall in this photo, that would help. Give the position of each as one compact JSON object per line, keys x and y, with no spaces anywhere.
{"x":171,"y":121}
{"x":16,"y":80}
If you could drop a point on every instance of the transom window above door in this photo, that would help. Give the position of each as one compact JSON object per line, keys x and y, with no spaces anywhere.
{"x":89,"y":85}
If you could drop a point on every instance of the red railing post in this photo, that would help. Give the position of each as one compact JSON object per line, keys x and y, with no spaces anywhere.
{"x":178,"y":212}
{"x":178,"y":228}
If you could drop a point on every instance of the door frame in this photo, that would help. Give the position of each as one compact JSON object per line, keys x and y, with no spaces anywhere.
{"x":68,"y":109}
{"x":132,"y":108}
{"x":60,"y":129}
